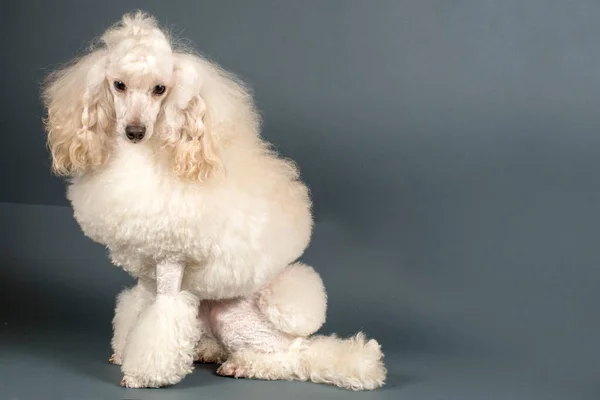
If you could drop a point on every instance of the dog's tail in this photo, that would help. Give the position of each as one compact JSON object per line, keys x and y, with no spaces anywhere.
{"x":353,"y":363}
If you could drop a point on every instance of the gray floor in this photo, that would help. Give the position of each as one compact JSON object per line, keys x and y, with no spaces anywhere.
{"x":57,"y":288}
{"x":71,"y":364}
{"x":53,"y":363}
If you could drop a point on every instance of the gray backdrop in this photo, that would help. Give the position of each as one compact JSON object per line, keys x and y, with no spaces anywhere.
{"x":451,"y":147}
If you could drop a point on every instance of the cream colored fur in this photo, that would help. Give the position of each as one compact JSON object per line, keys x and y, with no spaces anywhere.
{"x":130,"y":303}
{"x":353,"y":363}
{"x":295,"y":302}
{"x":203,"y":193}
{"x":161,"y":345}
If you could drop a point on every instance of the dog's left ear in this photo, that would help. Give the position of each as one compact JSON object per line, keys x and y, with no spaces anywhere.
{"x":206,"y":110}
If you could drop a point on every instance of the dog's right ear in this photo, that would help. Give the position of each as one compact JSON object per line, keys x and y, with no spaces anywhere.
{"x":80,"y":114}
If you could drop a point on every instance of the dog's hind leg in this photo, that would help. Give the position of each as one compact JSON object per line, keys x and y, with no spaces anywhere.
{"x":267,"y":337}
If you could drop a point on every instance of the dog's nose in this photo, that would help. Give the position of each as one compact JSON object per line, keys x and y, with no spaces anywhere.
{"x":135,"y":133}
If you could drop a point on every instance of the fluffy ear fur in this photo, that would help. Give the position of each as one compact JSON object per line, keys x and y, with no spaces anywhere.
{"x":80,"y":114}
{"x":206,"y":107}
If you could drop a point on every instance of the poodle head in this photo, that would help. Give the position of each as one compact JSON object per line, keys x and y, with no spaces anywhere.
{"x":134,"y":86}
{"x":139,"y":74}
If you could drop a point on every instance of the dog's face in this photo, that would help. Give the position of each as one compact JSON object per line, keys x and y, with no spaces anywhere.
{"x":140,"y":78}
{"x":134,"y":86}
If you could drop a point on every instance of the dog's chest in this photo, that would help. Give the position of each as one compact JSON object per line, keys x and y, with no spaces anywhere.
{"x":135,"y":202}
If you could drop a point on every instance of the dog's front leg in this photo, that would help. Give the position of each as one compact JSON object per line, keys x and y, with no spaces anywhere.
{"x":161,"y":347}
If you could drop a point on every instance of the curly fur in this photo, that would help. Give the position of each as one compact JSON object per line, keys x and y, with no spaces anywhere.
{"x":295,"y":301}
{"x":202,"y":191}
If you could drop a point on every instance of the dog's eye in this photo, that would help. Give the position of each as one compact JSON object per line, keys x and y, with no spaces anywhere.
{"x":120,"y":86}
{"x":158,"y":90}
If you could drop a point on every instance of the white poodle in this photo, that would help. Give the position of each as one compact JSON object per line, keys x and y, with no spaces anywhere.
{"x":168,"y":170}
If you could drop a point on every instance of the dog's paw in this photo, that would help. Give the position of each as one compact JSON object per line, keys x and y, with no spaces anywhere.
{"x":125,"y":382}
{"x":209,"y":359}
{"x":137,"y":383}
{"x":115,"y":359}
{"x":231,"y":369}
{"x":209,"y":351}
{"x":131,"y":383}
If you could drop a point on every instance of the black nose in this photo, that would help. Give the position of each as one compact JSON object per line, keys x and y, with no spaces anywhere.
{"x":135,"y":133}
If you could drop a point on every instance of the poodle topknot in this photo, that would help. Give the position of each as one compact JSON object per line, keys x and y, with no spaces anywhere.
{"x":168,"y":170}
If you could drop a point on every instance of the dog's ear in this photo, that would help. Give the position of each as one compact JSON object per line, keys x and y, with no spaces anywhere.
{"x":80,"y":114}
{"x":206,"y":110}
